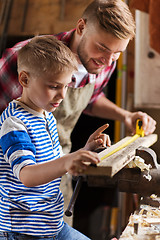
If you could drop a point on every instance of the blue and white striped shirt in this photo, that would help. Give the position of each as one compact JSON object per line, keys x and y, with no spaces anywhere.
{"x":28,"y":137}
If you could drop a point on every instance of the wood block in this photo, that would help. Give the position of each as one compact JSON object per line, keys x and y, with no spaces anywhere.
{"x":114,"y":163}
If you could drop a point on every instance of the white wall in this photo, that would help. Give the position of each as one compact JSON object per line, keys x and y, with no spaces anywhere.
{"x":147,"y":69}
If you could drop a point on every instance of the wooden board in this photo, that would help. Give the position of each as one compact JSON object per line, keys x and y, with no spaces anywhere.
{"x":114,"y":163}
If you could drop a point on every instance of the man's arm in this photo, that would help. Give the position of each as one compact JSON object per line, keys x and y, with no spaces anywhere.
{"x":104,"y":108}
{"x":9,"y":85}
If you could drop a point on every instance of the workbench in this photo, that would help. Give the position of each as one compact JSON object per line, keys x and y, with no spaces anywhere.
{"x":144,"y":224}
{"x":112,"y":170}
{"x":117,"y":170}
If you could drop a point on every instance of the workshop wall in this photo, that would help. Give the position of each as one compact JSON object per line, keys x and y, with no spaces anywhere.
{"x":29,"y":17}
{"x":143,"y":69}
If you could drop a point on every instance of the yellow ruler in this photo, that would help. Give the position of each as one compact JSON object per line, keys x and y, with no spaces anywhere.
{"x":139,"y":133}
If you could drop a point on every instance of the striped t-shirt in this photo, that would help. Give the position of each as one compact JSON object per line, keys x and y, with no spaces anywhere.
{"x":26,"y":138}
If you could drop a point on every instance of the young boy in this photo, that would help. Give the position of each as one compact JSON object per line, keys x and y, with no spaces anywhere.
{"x":31,"y":159}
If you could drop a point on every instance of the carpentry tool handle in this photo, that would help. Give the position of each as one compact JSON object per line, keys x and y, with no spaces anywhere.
{"x":69,"y":210}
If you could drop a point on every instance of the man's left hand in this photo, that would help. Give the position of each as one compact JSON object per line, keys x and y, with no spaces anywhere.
{"x":148,"y":123}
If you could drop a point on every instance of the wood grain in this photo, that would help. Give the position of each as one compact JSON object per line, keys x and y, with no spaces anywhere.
{"x":114,"y":163}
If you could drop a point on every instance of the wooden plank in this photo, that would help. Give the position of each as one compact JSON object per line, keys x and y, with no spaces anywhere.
{"x":114,"y":163}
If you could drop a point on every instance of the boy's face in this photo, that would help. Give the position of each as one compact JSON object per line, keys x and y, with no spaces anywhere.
{"x":97,"y":49}
{"x":46,"y":91}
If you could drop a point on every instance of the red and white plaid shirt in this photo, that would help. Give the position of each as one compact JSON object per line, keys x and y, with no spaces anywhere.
{"x":11,"y":89}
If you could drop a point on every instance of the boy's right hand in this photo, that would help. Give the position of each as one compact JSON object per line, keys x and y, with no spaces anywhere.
{"x":77,"y":162}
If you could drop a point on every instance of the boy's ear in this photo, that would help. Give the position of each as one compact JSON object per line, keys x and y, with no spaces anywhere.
{"x":23,"y":79}
{"x":80,"y":26}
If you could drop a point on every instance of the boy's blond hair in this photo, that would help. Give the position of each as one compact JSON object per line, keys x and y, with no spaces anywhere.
{"x":46,"y":54}
{"x":113,"y":16}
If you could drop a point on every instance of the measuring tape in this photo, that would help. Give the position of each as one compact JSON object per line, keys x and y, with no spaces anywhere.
{"x":139,"y":133}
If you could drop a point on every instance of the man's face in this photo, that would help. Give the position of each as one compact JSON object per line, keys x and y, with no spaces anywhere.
{"x":98,"y":49}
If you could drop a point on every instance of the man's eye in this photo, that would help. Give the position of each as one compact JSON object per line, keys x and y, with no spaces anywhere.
{"x":100,"y":49}
{"x":53,"y":87}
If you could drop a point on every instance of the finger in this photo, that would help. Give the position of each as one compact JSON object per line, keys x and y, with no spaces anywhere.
{"x":91,"y":157}
{"x":101,"y":129}
{"x":151,"y":126}
{"x":95,"y":144}
{"x":144,"y":119}
{"x":105,"y":140}
{"x":148,"y":123}
{"x":80,"y":169}
{"x":81,"y":165}
{"x":108,"y":140}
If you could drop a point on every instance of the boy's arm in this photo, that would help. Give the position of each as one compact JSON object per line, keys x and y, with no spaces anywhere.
{"x":20,"y":152}
{"x":74,"y":163}
{"x":18,"y":149}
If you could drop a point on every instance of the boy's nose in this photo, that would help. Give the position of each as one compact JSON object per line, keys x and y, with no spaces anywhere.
{"x":62,"y":93}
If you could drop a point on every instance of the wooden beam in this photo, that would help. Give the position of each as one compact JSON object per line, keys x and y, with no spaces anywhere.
{"x":114,"y":163}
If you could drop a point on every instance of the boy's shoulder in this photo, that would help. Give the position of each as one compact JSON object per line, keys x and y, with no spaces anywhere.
{"x":16,"y":111}
{"x":13,"y":110}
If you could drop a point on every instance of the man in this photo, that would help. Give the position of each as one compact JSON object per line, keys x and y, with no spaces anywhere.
{"x":101,"y":34}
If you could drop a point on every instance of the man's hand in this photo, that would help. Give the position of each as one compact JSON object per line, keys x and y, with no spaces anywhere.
{"x":148,"y":123}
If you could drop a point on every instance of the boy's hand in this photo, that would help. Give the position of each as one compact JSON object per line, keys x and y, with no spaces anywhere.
{"x":98,"y":139}
{"x":78,"y":161}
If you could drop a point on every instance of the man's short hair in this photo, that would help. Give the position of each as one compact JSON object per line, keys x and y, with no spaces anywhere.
{"x":113,"y":16}
{"x":46,"y":54}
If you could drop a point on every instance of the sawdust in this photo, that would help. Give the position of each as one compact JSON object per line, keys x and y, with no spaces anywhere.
{"x":140,"y":163}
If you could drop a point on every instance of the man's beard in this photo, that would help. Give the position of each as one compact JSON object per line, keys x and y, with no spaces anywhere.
{"x":85,"y":60}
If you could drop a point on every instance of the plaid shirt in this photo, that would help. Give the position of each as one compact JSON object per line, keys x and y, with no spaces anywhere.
{"x":11,"y":89}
